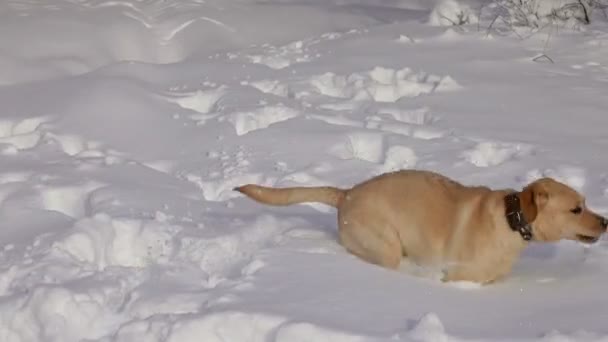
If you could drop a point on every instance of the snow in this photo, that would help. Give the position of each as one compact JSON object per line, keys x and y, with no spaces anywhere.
{"x":125,"y":126}
{"x":452,"y":12}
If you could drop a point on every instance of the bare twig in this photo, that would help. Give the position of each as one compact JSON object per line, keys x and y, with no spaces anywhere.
{"x":603,"y":7}
{"x":453,"y":23}
{"x":492,"y":24}
{"x":547,"y":41}
{"x":585,"y":11}
{"x":511,"y":28}
{"x":543,"y":56}
{"x":481,"y":7}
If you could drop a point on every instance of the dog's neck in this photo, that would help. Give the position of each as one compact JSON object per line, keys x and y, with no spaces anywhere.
{"x":515,"y":217}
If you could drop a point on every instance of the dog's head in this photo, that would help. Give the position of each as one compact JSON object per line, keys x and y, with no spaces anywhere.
{"x":556,"y":211}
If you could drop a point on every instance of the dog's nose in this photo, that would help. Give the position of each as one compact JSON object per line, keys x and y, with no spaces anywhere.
{"x":603,"y":222}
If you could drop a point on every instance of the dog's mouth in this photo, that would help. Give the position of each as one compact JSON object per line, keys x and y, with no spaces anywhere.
{"x":586,"y":238}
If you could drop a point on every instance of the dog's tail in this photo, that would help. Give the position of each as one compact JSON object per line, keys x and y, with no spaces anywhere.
{"x":287,"y":196}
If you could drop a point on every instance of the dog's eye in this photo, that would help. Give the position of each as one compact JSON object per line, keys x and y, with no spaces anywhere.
{"x":576,"y":210}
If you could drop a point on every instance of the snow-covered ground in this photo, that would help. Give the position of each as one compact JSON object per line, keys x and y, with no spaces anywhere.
{"x":124,"y":125}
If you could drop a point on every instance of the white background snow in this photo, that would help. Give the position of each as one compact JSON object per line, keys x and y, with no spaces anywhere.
{"x":124,"y":125}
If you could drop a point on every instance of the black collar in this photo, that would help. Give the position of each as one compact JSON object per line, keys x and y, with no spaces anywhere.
{"x":515,"y":217}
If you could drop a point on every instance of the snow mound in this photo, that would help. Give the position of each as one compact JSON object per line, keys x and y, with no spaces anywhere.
{"x":218,"y":256}
{"x":429,"y":328}
{"x":55,"y":313}
{"x":101,"y":242}
{"x":452,"y":13}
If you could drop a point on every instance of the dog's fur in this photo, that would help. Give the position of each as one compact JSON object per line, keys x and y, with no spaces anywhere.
{"x":439,"y":222}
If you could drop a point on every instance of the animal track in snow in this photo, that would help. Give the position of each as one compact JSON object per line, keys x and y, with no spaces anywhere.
{"x":102,"y":241}
{"x":24,"y":134}
{"x":69,"y":200}
{"x":273,"y":87}
{"x":75,"y":145}
{"x":222,"y":189}
{"x":415,"y":131}
{"x":251,"y":268}
{"x":201,"y":101}
{"x":283,"y":56}
{"x":12,"y":183}
{"x":219,"y":254}
{"x":336,"y":120}
{"x":398,"y":158}
{"x":367,"y":146}
{"x":488,"y":153}
{"x":52,"y":195}
{"x":70,"y":313}
{"x":204,"y":102}
{"x":302,"y":177}
{"x":409,"y":122}
{"x":419,"y":116}
{"x":260,"y":118}
{"x":231,"y":169}
{"x":21,"y":134}
{"x":383,"y":85}
{"x":262,"y":115}
{"x":379,"y":84}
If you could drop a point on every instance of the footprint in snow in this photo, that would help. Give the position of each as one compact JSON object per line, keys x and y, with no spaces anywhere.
{"x":21,"y":134}
{"x":489,"y":153}
{"x":281,"y":57}
{"x":233,"y":170}
{"x":208,"y":105}
{"x":277,"y":57}
{"x":267,"y":86}
{"x":418,"y":116}
{"x":362,"y":145}
{"x":407,"y":123}
{"x":233,"y":254}
{"x":398,"y":158}
{"x":203,"y":102}
{"x":253,"y":267}
{"x":252,"y":120}
{"x":338,"y":120}
{"x":380,"y":85}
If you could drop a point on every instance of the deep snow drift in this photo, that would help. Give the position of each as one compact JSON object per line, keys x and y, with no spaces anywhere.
{"x":125,"y":125}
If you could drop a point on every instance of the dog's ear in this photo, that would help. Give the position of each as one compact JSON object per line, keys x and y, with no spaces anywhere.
{"x":532,"y":198}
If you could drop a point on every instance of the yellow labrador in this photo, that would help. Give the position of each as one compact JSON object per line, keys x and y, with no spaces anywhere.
{"x":471,"y":233}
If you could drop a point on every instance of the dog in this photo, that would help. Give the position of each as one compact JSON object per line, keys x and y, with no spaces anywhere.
{"x":471,"y":233}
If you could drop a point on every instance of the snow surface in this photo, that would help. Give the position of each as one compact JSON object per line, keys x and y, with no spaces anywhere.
{"x":124,"y":126}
